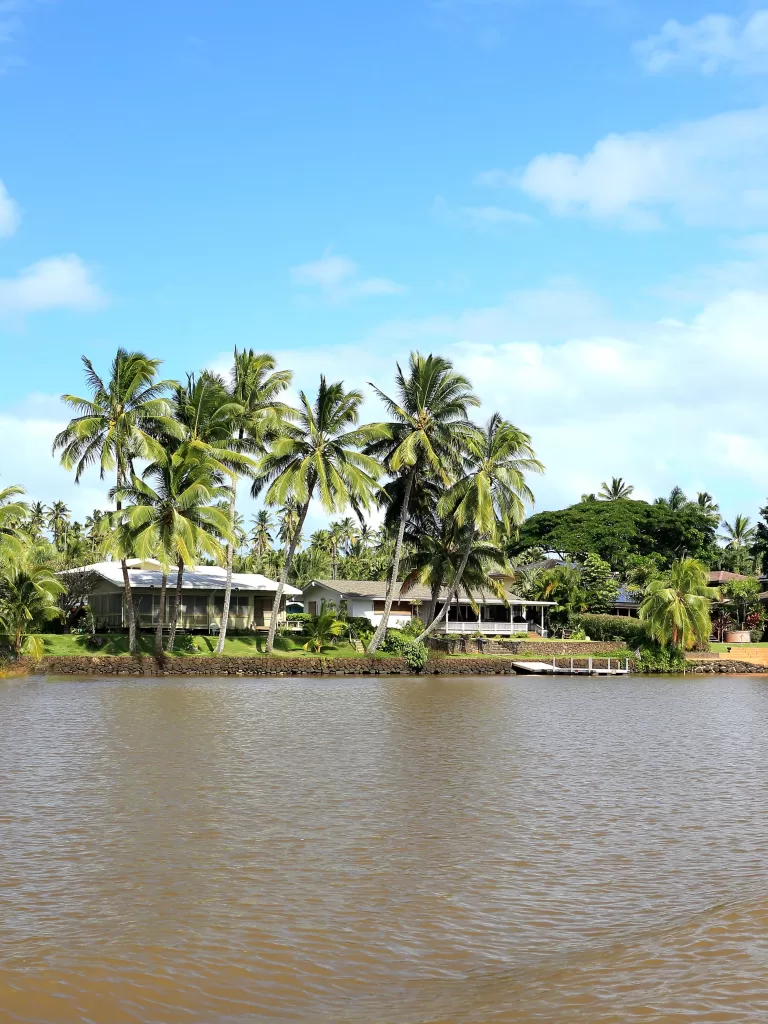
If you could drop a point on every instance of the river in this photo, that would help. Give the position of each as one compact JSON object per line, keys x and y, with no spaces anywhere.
{"x":393,"y":850}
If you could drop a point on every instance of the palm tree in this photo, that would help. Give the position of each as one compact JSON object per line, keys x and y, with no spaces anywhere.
{"x":676,"y":607}
{"x":738,"y":534}
{"x":318,"y":454}
{"x":255,"y":388}
{"x":58,"y":523}
{"x":707,"y":503}
{"x":288,"y":517}
{"x":564,"y":585}
{"x":28,"y":594}
{"x":618,"y":488}
{"x":424,"y":438}
{"x":37,"y":520}
{"x":676,"y":500}
{"x":174,"y":520}
{"x":491,"y":493}
{"x":13,"y":516}
{"x":323,"y":630}
{"x":261,"y":535}
{"x":349,"y":532}
{"x":122,"y":421}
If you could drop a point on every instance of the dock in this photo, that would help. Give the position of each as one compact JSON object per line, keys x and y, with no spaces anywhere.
{"x":543,"y":668}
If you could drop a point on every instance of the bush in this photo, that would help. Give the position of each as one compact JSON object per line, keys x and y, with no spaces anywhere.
{"x":611,"y":627}
{"x":655,"y":658}
{"x":94,"y":642}
{"x":303,"y":617}
{"x":361,"y":627}
{"x":416,"y":655}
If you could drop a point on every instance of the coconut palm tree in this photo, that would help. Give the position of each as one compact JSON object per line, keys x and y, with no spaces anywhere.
{"x":491,"y":493}
{"x":170,"y":515}
{"x":58,"y":523}
{"x":616,"y":489}
{"x":676,"y":607}
{"x":261,"y":532}
{"x":323,"y":630}
{"x":37,"y":520}
{"x":14,"y":515}
{"x":564,"y":585}
{"x":122,"y":421}
{"x":677,"y":499}
{"x":288,"y":518}
{"x":319,"y":454}
{"x":28,"y":593}
{"x":429,"y":422}
{"x":738,"y":534}
{"x":255,"y":387}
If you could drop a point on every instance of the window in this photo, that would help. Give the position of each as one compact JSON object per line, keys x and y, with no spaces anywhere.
{"x":194,"y":610}
{"x":107,"y":609}
{"x":239,"y":605}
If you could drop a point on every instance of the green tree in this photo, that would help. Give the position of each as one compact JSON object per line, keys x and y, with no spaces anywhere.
{"x":121,"y":422}
{"x":424,"y":438}
{"x":743,"y":598}
{"x":565,"y":585}
{"x":319,"y":454}
{"x":256,"y":387}
{"x":676,"y":607}
{"x":37,"y":520}
{"x":616,"y":489}
{"x":261,"y":532}
{"x":323,"y":630}
{"x":14,"y":516}
{"x":738,"y":534}
{"x":59,"y":518}
{"x":600,"y":585}
{"x":28,"y":594}
{"x":490,"y":493}
{"x":173,"y":518}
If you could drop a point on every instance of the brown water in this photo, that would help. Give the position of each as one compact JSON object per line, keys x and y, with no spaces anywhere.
{"x":546,"y":850}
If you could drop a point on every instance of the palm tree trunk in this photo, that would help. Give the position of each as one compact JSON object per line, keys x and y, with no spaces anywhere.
{"x":454,"y":593}
{"x":161,"y":617}
{"x":394,"y":572}
{"x":284,"y":575}
{"x":130,"y":611}
{"x":228,"y":586}
{"x":176,"y":608}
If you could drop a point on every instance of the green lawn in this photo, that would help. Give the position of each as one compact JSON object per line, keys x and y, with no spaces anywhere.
{"x":724,"y":647}
{"x":67,"y":644}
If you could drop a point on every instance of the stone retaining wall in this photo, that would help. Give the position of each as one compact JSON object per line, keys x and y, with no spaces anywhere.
{"x":548,"y":649}
{"x":725,"y":666}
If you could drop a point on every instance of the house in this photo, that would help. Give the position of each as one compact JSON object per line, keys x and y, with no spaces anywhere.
{"x":202,"y":596}
{"x":627,"y":602}
{"x":365,"y":599}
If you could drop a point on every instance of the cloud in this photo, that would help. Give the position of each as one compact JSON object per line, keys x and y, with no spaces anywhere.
{"x":339,"y":280}
{"x":712,"y":171}
{"x":717,"y":42}
{"x":61,"y":282}
{"x":482,"y":218}
{"x":10,"y":214}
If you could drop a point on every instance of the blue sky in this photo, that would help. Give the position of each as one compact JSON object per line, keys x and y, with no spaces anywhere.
{"x":568,"y":197}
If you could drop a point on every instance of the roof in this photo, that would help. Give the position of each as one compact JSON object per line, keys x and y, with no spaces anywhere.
{"x":196,"y":577}
{"x":625,"y":597}
{"x":376,"y":590}
{"x":724,"y":577}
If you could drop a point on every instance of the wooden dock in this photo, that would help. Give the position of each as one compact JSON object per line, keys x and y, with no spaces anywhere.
{"x":543,"y":668}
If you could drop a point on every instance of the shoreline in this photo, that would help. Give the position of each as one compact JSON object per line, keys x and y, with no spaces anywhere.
{"x":251,"y":666}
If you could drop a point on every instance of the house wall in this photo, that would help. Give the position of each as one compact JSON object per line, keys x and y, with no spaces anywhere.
{"x":201,"y":609}
{"x":356,"y":607}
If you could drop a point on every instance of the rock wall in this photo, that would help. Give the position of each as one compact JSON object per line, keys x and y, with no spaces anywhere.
{"x":725,"y":666}
{"x":547,"y":649}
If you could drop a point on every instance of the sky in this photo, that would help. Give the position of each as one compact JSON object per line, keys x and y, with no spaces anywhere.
{"x":567,"y":198}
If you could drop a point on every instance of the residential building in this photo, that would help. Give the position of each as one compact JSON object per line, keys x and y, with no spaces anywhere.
{"x":202,"y":596}
{"x":490,"y":615}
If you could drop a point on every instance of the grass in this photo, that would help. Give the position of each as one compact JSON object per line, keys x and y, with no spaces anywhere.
{"x":724,"y":647}
{"x":66,"y":644}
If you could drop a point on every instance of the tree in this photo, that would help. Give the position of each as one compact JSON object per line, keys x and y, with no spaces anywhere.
{"x":742,"y":597}
{"x":618,"y":488}
{"x":599,"y":584}
{"x":255,"y":389}
{"x":708,"y":505}
{"x":28,"y":594}
{"x":617,"y":530}
{"x":58,"y":523}
{"x":121,"y":422}
{"x":491,"y":491}
{"x":425,"y":437}
{"x":13,"y":517}
{"x":676,"y":500}
{"x":676,"y":607}
{"x":37,"y":519}
{"x":323,"y":630}
{"x":739,"y":533}
{"x":261,"y":532}
{"x":174,"y":520}
{"x":565,"y":585}
{"x":318,"y":454}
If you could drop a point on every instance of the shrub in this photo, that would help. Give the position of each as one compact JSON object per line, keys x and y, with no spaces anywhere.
{"x":94,"y":642}
{"x":611,"y":627}
{"x":361,"y":626}
{"x":655,"y":658}
{"x":416,"y":655}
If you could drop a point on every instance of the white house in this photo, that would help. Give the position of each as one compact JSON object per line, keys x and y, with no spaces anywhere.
{"x":493,"y":616}
{"x":202,"y":600}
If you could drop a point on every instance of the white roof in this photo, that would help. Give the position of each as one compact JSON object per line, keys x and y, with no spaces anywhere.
{"x":196,"y":577}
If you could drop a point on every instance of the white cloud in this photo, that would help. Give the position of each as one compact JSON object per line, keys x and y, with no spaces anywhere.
{"x":10,"y":214}
{"x":716,"y":42}
{"x":479,"y":217}
{"x":708,"y":172}
{"x":60,"y":282}
{"x":339,"y":279}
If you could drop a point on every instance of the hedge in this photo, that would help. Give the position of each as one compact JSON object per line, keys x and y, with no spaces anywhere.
{"x":609,"y":627}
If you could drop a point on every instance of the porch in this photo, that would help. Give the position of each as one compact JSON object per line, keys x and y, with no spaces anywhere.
{"x":496,"y":619}
{"x":491,"y":628}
